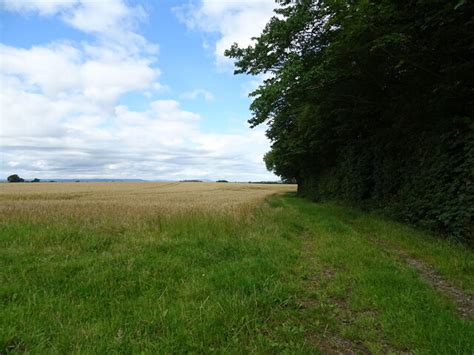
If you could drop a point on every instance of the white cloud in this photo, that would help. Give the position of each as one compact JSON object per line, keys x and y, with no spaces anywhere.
{"x":85,"y":15}
{"x":60,"y":114}
{"x":236,"y":21}
{"x":43,"y":7}
{"x":112,"y":21}
{"x":193,"y":95}
{"x":164,"y":142}
{"x":67,"y":70}
{"x":105,"y":16}
{"x":52,"y":127}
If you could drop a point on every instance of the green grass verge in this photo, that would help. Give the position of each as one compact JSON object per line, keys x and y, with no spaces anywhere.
{"x":289,"y":278}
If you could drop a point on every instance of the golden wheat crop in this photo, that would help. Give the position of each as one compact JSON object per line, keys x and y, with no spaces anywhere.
{"x":126,"y":202}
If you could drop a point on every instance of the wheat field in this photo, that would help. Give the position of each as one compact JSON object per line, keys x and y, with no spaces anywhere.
{"x":129,"y":201}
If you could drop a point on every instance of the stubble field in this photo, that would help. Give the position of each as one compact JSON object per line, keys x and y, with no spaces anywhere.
{"x":221,"y":268}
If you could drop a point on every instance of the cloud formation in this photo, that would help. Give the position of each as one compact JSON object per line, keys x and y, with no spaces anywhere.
{"x":61,"y":115}
{"x":195,"y":94}
{"x":105,"y":16}
{"x":236,"y":21}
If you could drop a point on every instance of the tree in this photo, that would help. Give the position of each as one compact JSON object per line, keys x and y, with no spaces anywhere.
{"x":35,"y":180}
{"x":371,"y":102}
{"x":15,"y":178}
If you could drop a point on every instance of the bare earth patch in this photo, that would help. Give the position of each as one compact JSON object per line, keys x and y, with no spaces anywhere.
{"x":464,"y":302}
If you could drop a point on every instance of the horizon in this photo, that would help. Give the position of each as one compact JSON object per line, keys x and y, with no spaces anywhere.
{"x":129,"y":90}
{"x":52,"y":179}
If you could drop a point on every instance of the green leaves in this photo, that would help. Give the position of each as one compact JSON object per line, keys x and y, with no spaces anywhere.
{"x":359,"y":94}
{"x":459,"y":4}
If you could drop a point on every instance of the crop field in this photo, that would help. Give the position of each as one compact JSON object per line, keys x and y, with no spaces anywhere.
{"x":126,"y":202}
{"x":221,"y":268}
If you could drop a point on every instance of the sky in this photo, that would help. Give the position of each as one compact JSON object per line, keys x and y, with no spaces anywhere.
{"x":128,"y":90}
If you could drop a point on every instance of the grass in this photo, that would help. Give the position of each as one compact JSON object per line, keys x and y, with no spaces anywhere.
{"x":372,"y":297}
{"x":123,"y":269}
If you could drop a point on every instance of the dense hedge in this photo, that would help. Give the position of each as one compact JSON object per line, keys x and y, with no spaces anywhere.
{"x":425,"y":180}
{"x":372,"y":102}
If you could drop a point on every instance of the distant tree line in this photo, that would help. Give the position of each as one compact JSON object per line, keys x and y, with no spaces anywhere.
{"x":265,"y":182}
{"x":371,"y":102}
{"x":16,"y":178}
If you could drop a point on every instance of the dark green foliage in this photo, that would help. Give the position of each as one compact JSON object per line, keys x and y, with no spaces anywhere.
{"x":371,"y":102}
{"x":15,"y":178}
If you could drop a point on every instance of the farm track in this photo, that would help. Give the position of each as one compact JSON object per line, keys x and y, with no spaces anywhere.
{"x":321,"y":275}
{"x":464,"y":301}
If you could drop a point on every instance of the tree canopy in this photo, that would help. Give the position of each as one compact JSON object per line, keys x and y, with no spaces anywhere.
{"x":371,"y":102}
{"x":15,"y":178}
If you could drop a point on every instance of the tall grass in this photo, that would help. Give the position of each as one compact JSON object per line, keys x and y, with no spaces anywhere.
{"x":122,"y":269}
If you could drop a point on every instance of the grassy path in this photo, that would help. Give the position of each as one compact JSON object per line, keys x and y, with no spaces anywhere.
{"x":291,"y":276}
{"x":370,"y":297}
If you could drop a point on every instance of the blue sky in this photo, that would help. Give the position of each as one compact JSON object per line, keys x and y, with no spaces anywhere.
{"x":137,"y":89}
